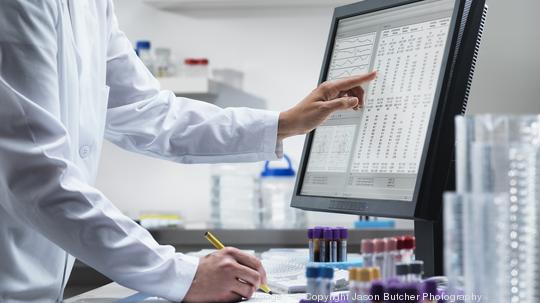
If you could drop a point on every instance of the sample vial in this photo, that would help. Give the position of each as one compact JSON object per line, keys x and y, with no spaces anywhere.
{"x":379,"y":253}
{"x":375,"y":273}
{"x":317,"y":240}
{"x":342,"y":244}
{"x":327,"y":281}
{"x":354,"y":285}
{"x":310,"y":245}
{"x":328,"y":237}
{"x":334,"y":245}
{"x":402,"y":272}
{"x":429,"y":291}
{"x":364,"y":280}
{"x":313,"y":280}
{"x":416,"y":270}
{"x":359,"y":284}
{"x":392,"y":257}
{"x":411,"y":292}
{"x":367,"y":248}
{"x":406,"y":246}
{"x":393,"y":291}
{"x":377,"y":292}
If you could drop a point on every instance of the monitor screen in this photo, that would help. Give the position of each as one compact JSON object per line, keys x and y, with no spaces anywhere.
{"x":376,"y":152}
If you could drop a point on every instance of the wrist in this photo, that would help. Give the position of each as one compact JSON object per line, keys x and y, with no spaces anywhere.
{"x":285,"y":127}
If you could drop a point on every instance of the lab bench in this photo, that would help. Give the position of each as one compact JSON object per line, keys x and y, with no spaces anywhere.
{"x":115,"y":293}
{"x":84,"y":278}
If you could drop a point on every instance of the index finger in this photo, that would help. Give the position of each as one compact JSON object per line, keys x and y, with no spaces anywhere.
{"x":248,"y":260}
{"x":351,"y":82}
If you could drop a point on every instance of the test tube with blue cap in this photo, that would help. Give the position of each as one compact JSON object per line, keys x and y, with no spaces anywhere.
{"x":313,"y":280}
{"x":327,"y":280}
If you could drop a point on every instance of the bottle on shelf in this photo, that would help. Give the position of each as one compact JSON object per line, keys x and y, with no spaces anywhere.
{"x":277,"y":187}
{"x":163,"y":66}
{"x":143,"y":49}
{"x":196,"y":67}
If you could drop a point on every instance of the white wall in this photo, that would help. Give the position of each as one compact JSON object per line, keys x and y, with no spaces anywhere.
{"x":507,"y":79}
{"x":281,"y":53}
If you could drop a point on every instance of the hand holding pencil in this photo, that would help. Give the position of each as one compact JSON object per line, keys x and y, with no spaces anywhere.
{"x":226,"y":275}
{"x":218,"y":245}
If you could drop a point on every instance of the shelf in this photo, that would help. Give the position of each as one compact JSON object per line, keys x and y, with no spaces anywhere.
{"x":211,"y":91}
{"x":233,"y":4}
{"x":182,"y":86}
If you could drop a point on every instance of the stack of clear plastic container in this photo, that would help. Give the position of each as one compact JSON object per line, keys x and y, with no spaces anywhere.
{"x":491,"y":223}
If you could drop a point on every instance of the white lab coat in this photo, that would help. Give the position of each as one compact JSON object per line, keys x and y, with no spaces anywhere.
{"x":68,"y":78}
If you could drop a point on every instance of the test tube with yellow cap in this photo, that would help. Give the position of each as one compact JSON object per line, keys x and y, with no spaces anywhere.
{"x":375,"y":273}
{"x":360,"y":284}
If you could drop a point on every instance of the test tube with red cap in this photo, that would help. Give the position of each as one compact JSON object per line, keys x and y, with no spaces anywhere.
{"x":391,"y":256}
{"x":378,"y":254}
{"x":367,"y":248}
{"x":406,"y":246}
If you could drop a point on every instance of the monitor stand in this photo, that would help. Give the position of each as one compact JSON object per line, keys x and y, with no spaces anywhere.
{"x":429,"y":246}
{"x":430,"y":234}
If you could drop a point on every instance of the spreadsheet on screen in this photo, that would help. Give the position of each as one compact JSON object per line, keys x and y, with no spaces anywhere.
{"x":375,"y":152}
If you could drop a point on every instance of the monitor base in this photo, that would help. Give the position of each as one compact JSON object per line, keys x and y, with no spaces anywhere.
{"x":429,"y":246}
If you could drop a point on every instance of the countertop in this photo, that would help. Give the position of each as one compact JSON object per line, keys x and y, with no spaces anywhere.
{"x":85,"y":278}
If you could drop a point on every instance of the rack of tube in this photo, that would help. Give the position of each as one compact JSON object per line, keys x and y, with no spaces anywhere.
{"x":328,"y":244}
{"x":389,"y":271}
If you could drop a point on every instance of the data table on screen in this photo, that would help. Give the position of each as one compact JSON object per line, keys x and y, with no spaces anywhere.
{"x":376,"y":151}
{"x":399,"y":102}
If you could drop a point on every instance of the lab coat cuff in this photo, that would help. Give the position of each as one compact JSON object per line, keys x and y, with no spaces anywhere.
{"x":271,"y":146}
{"x":187,"y":268}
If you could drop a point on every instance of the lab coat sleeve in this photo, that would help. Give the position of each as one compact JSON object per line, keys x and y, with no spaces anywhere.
{"x":143,"y":119}
{"x":39,"y":183}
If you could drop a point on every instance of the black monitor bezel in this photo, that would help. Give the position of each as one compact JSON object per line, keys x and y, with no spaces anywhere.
{"x":450,"y":100}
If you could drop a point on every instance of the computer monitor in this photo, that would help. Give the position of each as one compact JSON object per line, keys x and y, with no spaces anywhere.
{"x":392,"y":158}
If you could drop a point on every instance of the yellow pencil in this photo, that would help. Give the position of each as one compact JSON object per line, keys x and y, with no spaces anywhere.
{"x":218,"y":245}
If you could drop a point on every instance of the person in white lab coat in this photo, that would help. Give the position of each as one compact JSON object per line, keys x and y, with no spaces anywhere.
{"x":69,"y":78}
